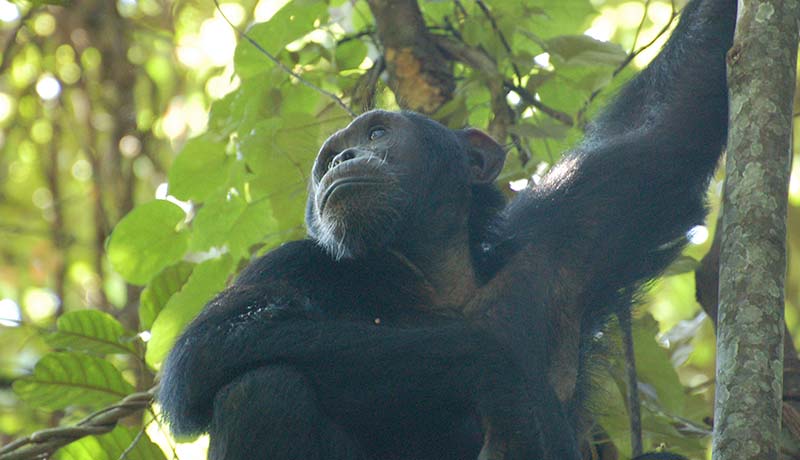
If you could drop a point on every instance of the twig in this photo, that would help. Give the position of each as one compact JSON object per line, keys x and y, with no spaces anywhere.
{"x":364,"y":91}
{"x":282,"y":66}
{"x":500,"y":34}
{"x":44,"y":442}
{"x":622,"y":65}
{"x":632,"y":381}
{"x":531,"y":100}
{"x":639,"y":28}
{"x":480,"y":61}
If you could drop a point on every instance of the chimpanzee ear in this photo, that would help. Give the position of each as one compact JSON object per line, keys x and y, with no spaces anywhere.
{"x":486,"y":156}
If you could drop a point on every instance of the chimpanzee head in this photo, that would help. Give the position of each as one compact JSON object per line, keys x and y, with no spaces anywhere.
{"x":390,"y":179}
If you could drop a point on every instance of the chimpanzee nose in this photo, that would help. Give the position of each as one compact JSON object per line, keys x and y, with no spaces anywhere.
{"x":346,"y":155}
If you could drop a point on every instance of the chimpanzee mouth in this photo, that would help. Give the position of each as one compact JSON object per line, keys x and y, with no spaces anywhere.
{"x":345,"y":182}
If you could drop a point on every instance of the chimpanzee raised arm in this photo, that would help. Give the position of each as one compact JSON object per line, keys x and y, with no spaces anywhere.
{"x":614,"y":212}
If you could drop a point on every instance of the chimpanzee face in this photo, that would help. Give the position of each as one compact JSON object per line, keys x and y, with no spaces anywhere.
{"x":386,"y":175}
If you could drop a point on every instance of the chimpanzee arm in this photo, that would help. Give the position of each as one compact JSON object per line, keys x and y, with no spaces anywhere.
{"x":615,"y":211}
{"x":690,"y":67}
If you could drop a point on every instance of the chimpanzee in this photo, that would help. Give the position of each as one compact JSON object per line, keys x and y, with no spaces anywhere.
{"x":426,"y":319}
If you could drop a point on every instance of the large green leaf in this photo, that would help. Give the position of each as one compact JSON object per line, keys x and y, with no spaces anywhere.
{"x":111,"y":446}
{"x":200,"y":169}
{"x":158,"y":292}
{"x":148,"y":239}
{"x":582,"y":50}
{"x":90,"y":331}
{"x":546,"y":18}
{"x":291,"y":22}
{"x":281,"y":152}
{"x":207,"y":279}
{"x":245,"y":106}
{"x":350,"y":54}
{"x":64,"y":379}
{"x":655,"y":367}
{"x":233,"y":222}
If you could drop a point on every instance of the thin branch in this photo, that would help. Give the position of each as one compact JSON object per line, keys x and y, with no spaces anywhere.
{"x":500,"y":35}
{"x":44,"y":442}
{"x":639,"y":28}
{"x":622,"y":65}
{"x":479,"y":60}
{"x":524,"y":152}
{"x":673,"y":14}
{"x":363,"y":95}
{"x":364,"y":33}
{"x":632,"y":381}
{"x":531,"y":100}
{"x":282,"y":66}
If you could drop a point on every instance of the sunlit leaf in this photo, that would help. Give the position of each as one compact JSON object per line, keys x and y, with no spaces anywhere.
{"x":64,"y":379}
{"x":90,"y":331}
{"x":654,"y":366}
{"x":547,"y":18}
{"x":199,"y":170}
{"x":476,"y":32}
{"x":293,"y":21}
{"x":233,"y":222}
{"x":582,"y":50}
{"x":683,"y":264}
{"x":300,"y":100}
{"x":147,"y":240}
{"x":158,"y":292}
{"x":207,"y":279}
{"x":135,"y":444}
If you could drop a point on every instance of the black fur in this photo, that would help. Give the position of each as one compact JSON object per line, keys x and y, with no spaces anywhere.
{"x":379,"y":339}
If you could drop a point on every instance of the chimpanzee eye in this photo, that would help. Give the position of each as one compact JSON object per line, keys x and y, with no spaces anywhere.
{"x":376,"y":132}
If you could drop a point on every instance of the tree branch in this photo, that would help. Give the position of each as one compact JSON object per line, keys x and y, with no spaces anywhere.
{"x":44,"y":442}
{"x":420,"y":76}
{"x":761,"y":76}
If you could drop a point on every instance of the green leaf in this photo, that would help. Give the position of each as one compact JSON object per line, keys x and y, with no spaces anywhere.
{"x":281,"y":152}
{"x":570,"y":87}
{"x":147,"y":240}
{"x":547,"y":19}
{"x":111,"y":446}
{"x":544,"y":129}
{"x":157,"y":293}
{"x":583,"y":50}
{"x":291,"y":22}
{"x":350,"y":54}
{"x":200,"y":169}
{"x":243,"y":107}
{"x":613,"y":417}
{"x":232,"y":222}
{"x":655,"y":367}
{"x":683,"y":264}
{"x":207,"y":279}
{"x":299,"y":99}
{"x":64,"y":379}
{"x":90,"y":331}
{"x":476,"y":32}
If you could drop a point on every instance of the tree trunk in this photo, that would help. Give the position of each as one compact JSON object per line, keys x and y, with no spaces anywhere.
{"x":761,"y":77}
